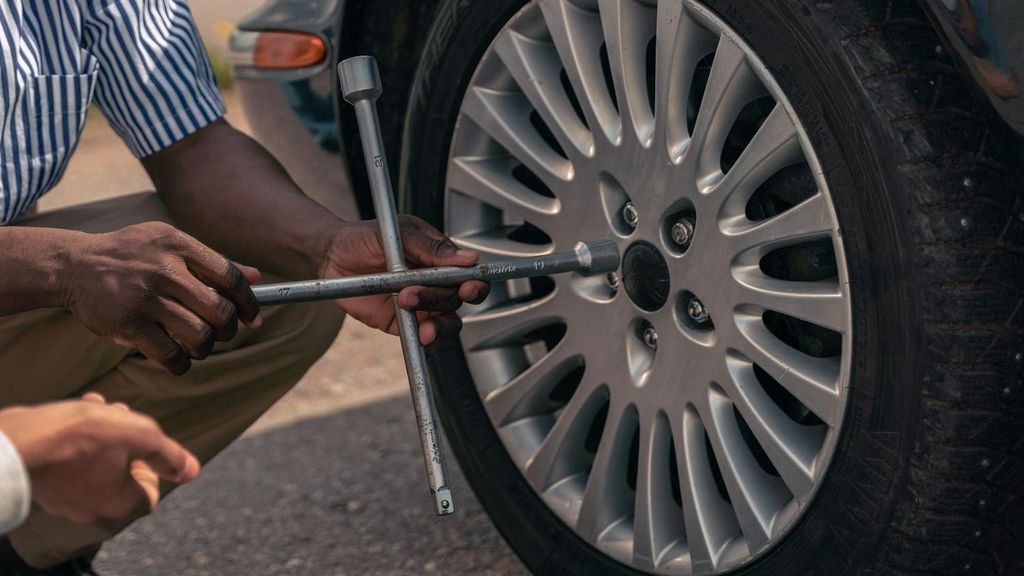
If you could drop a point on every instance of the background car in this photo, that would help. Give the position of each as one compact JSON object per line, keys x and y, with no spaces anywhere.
{"x":810,"y":361}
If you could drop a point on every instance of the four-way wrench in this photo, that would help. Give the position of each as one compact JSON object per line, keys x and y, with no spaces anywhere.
{"x":361,"y":86}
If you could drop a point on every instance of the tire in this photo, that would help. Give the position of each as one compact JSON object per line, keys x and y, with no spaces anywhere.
{"x":926,"y":476}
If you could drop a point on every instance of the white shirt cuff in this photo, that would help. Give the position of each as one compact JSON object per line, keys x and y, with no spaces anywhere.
{"x":15,"y":487}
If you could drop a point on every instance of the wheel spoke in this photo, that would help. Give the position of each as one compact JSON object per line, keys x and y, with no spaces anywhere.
{"x":731,"y":86}
{"x":505,"y":117}
{"x":605,"y":498}
{"x":561,"y":453}
{"x":681,"y":45}
{"x":657,"y":523}
{"x":578,"y":36}
{"x":790,"y":447}
{"x":536,"y":69}
{"x":808,"y":220}
{"x":709,"y":519}
{"x":497,"y":326}
{"x":495,"y":242}
{"x":812,"y":381}
{"x":490,"y":181}
{"x":755,"y":495}
{"x":775,"y":145}
{"x":820,"y":303}
{"x":628,"y":27}
{"x":519,"y":397}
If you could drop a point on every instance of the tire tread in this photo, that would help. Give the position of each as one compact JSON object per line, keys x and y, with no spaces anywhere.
{"x":960,"y":511}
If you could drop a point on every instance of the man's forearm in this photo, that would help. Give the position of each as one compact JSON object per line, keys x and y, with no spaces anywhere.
{"x":230,"y":193}
{"x":33,"y":266}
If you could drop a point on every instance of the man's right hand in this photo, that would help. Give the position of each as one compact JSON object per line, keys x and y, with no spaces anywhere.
{"x":89,"y":461}
{"x":156,"y":289}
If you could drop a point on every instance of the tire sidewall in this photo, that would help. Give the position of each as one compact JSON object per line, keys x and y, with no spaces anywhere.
{"x":851,"y":513}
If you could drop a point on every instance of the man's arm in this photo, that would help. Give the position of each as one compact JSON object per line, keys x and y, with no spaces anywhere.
{"x":156,"y":289}
{"x":147,"y":287}
{"x":227,"y":190}
{"x":32,"y":265}
{"x":230,"y":193}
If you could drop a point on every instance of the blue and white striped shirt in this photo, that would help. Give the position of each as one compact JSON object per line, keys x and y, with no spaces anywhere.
{"x":140,"y":60}
{"x":146,"y":67}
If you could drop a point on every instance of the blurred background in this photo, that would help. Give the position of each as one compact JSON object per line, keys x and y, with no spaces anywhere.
{"x":329,"y":482}
{"x":101,"y":153}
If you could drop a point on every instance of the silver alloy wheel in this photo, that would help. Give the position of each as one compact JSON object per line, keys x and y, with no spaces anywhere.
{"x":679,"y":416}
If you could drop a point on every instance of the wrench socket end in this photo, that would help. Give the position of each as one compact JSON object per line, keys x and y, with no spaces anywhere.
{"x":602,"y":255}
{"x":360,"y":79}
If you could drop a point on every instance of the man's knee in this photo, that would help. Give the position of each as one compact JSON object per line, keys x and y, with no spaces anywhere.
{"x":303,"y":332}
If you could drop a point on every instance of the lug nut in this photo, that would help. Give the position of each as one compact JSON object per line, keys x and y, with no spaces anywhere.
{"x":697,"y":311}
{"x":630,"y":215}
{"x":682,"y":232}
{"x":614,"y":281}
{"x":651,"y":337}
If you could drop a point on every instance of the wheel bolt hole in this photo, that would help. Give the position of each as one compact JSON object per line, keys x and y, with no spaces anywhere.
{"x":693,"y":313}
{"x":622,"y":214}
{"x":682,"y":233}
{"x":650,"y":337}
{"x":600,"y":289}
{"x":641,"y":349}
{"x":614,"y":281}
{"x":630,"y":216}
{"x":679,"y":227}
{"x":698,"y":312}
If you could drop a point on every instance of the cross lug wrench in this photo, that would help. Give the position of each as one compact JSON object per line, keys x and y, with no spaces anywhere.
{"x":361,"y":87}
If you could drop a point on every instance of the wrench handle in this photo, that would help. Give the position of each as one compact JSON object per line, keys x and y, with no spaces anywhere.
{"x":361,"y":86}
{"x":426,"y":416}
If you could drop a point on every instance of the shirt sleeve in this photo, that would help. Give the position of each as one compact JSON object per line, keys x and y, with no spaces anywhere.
{"x":155,"y":82}
{"x":15,"y":488}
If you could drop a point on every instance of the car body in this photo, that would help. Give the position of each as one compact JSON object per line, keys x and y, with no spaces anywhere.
{"x":296,"y":112}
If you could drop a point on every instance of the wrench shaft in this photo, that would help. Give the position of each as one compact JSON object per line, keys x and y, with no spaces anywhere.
{"x":588,"y":259}
{"x":360,"y":83}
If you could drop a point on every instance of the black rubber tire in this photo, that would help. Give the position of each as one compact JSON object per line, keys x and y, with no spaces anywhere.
{"x":928,"y":475}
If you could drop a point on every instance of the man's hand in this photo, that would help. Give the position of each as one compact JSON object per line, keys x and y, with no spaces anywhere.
{"x":356,"y":249}
{"x":90,"y":461}
{"x":153,"y":288}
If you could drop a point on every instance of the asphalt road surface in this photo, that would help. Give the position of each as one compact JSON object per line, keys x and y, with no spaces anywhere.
{"x":342,"y":493}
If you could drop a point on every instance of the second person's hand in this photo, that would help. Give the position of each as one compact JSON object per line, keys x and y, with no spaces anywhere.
{"x":88,"y":460}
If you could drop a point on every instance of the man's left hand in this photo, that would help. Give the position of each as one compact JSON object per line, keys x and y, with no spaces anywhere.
{"x":355,"y":249}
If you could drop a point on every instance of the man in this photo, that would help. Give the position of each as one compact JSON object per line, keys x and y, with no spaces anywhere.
{"x":136,"y":298}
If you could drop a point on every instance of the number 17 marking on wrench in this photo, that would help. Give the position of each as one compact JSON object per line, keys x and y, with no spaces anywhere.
{"x":361,"y":86}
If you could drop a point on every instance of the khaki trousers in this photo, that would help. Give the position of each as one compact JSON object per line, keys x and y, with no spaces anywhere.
{"x":47,"y":355}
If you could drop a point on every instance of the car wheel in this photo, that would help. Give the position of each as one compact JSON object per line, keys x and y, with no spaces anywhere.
{"x":808,"y":362}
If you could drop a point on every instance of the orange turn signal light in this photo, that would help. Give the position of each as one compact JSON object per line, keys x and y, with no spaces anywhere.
{"x":281,"y":50}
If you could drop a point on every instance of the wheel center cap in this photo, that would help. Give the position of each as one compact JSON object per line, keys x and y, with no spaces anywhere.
{"x":645,"y":275}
